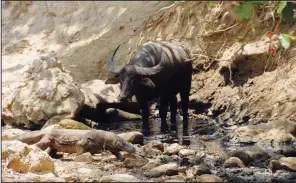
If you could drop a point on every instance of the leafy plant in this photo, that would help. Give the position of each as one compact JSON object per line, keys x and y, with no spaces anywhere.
{"x":283,"y":8}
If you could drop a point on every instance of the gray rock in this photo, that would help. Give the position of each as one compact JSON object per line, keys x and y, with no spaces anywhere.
{"x":186,"y":152}
{"x":151,"y":164}
{"x":285,"y":163}
{"x":152,"y":149}
{"x":119,"y":178}
{"x":256,"y":153}
{"x":85,"y":157}
{"x":134,"y":160}
{"x":191,"y":160}
{"x":208,"y":178}
{"x":288,"y":151}
{"x":234,"y":162}
{"x":166,"y":169}
{"x":173,"y":149}
{"x":174,"y":180}
{"x":43,"y":90}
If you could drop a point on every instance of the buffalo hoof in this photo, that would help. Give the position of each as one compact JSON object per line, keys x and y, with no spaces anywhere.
{"x":174,"y":127}
{"x":145,"y":132}
{"x":164,"y":128}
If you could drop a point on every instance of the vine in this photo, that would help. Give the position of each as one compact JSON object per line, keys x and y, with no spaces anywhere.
{"x":284,"y":9}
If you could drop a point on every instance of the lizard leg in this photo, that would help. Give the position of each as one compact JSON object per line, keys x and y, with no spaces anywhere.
{"x":117,"y":153}
{"x":45,"y":144}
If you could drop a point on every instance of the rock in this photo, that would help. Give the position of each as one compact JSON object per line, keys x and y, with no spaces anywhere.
{"x":288,"y":151}
{"x":119,"y":178}
{"x":186,"y":152}
{"x":285,"y":163}
{"x":156,"y":145}
{"x":72,"y":124}
{"x":283,"y":176}
{"x":234,"y":162}
{"x":277,"y":132}
{"x":132,"y":137}
{"x":151,"y":164}
{"x":152,"y":149}
{"x":276,"y":157}
{"x":104,"y":92}
{"x":208,"y":178}
{"x":173,"y":149}
{"x":256,"y":153}
{"x":200,"y":169}
{"x":242,"y":155}
{"x":166,"y":169}
{"x":85,"y":157}
{"x":169,"y":159}
{"x":30,"y":177}
{"x":50,"y":127}
{"x":120,"y":115}
{"x":77,"y":171}
{"x":134,"y":161}
{"x":250,"y":154}
{"x":174,"y":180}
{"x":21,"y":157}
{"x":40,"y":91}
{"x":7,"y":134}
{"x":191,"y":160}
{"x":182,"y":169}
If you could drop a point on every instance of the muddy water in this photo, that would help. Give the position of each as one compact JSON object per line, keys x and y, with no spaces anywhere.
{"x":207,"y":137}
{"x":171,"y":137}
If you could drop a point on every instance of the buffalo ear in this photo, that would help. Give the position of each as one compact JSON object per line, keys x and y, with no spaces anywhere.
{"x":147,"y":82}
{"x":113,"y":80}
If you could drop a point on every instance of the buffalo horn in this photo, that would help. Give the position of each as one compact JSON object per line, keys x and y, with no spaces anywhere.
{"x":112,"y":68}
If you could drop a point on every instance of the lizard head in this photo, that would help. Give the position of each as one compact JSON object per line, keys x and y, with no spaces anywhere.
{"x":124,"y":145}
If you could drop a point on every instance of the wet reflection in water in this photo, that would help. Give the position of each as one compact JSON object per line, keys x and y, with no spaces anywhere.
{"x":171,"y":137}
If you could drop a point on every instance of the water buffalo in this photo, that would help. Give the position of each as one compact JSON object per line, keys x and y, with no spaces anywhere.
{"x":158,"y":69}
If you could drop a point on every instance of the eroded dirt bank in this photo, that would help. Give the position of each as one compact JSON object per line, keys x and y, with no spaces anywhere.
{"x":243,"y":99}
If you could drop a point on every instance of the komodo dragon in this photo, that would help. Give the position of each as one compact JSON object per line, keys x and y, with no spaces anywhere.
{"x":76,"y":141}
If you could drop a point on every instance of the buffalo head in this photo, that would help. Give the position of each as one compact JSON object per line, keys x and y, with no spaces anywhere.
{"x":131,"y":77}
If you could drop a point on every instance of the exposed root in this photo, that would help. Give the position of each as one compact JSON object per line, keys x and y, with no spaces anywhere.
{"x":223,"y":30}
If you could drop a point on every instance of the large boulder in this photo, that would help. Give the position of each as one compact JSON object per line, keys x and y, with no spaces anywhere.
{"x":40,"y":91}
{"x":101,"y":103}
{"x":286,"y":163}
{"x":21,"y":157}
{"x":97,"y":91}
{"x":278,"y":131}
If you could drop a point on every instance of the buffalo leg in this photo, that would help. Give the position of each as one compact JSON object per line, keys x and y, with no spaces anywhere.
{"x":184,"y":103}
{"x":145,"y":117}
{"x":163,"y":109}
{"x":173,"y":108}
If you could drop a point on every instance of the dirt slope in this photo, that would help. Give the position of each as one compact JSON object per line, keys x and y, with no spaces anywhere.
{"x":258,"y":87}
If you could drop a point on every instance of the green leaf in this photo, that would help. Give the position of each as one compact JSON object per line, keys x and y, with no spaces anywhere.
{"x":289,"y":36}
{"x":285,"y":41}
{"x":281,"y":6}
{"x":244,"y":10}
{"x":288,"y":13}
